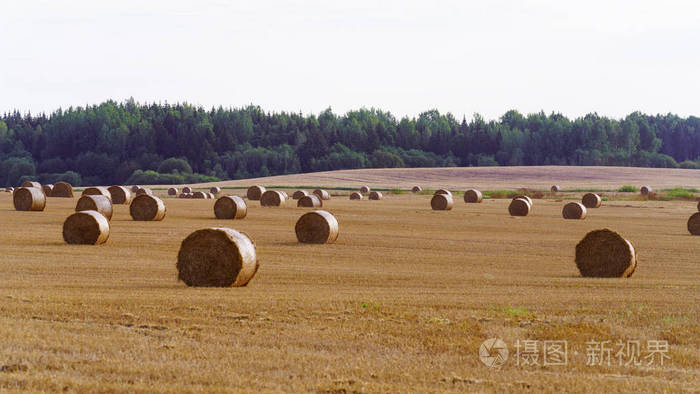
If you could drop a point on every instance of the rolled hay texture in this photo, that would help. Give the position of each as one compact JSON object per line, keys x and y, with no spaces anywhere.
{"x":86,"y":228}
{"x":555,"y":189}
{"x":120,"y":195}
{"x":187,"y":189}
{"x":299,"y":194}
{"x":47,"y":189}
{"x":416,"y":189}
{"x":173,"y":191}
{"x":605,"y":254}
{"x":215,"y":190}
{"x":272,"y":198}
{"x":441,"y":202}
{"x":443,"y":191}
{"x":135,"y":188}
{"x":310,"y":201}
{"x":646,"y":190}
{"x":185,"y":195}
{"x":147,"y":208}
{"x":375,"y":195}
{"x":317,"y":227}
{"x":356,"y":196}
{"x":144,"y":190}
{"x":591,"y":200}
{"x":211,"y":196}
{"x":364,"y":189}
{"x":473,"y":196}
{"x":322,"y":194}
{"x":97,"y":191}
{"x":32,"y":184}
{"x":694,"y":224}
{"x":96,"y":203}
{"x":524,"y":197}
{"x":286,"y":196}
{"x":574,"y":210}
{"x":29,"y":199}
{"x":9,"y":189}
{"x":230,"y":207}
{"x":217,"y":257}
{"x":62,"y":189}
{"x":255,"y":192}
{"x":199,"y":195}
{"x":519,"y":207}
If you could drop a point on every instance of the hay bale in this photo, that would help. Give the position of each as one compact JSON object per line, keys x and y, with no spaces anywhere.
{"x":605,"y":254}
{"x":310,"y":201}
{"x":187,"y":189}
{"x":47,"y":189}
{"x":555,"y":188}
{"x":9,"y":189}
{"x":183,"y":195}
{"x":29,"y":199}
{"x":255,"y":192}
{"x":698,"y":205}
{"x":286,"y":196}
{"x":97,"y":191}
{"x":317,"y":227}
{"x":217,"y":257}
{"x":375,"y":196}
{"x":97,"y":203}
{"x":591,"y":200}
{"x":199,"y":195}
{"x":364,"y":189}
{"x":172,"y":191}
{"x":299,"y":194}
{"x":574,"y":210}
{"x":322,"y":194}
{"x":442,"y":202}
{"x":443,"y":191}
{"x":356,"y":196}
{"x":646,"y":190}
{"x":473,"y":196}
{"x":416,"y":189}
{"x":215,"y":190}
{"x":86,"y":228}
{"x":146,"y":207}
{"x":211,"y":196}
{"x":120,"y":195}
{"x":272,"y":198}
{"x":694,"y":224}
{"x":135,"y":188}
{"x":524,"y":197}
{"x":519,"y":207}
{"x":62,"y":189}
{"x":32,"y":184}
{"x":144,"y":190}
{"x":230,"y":207}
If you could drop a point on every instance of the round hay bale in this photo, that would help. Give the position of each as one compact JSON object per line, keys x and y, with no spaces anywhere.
{"x":144,"y":190}
{"x":519,"y":207}
{"x":146,"y":207}
{"x":47,"y":189}
{"x":473,"y":196}
{"x":694,"y":224}
{"x":29,"y":199}
{"x":286,"y":196}
{"x":375,"y":196}
{"x":443,"y":191}
{"x":172,"y":191}
{"x":255,"y":192}
{"x":272,"y":198}
{"x":212,"y":196}
{"x":120,"y":194}
{"x":135,"y":188}
{"x":356,"y":196}
{"x":86,"y":228}
{"x":317,"y":227}
{"x":100,"y":204}
{"x":524,"y":197}
{"x":32,"y":184}
{"x":9,"y":189}
{"x":217,"y":257}
{"x":574,"y":210}
{"x":605,"y":254}
{"x":299,"y":194}
{"x":230,"y":207}
{"x":442,"y":202}
{"x":416,"y":189}
{"x":62,"y":189}
{"x":310,"y":201}
{"x":97,"y":191}
{"x":183,"y":195}
{"x":187,"y":189}
{"x":591,"y":200}
{"x":322,"y":194}
{"x":646,"y":190}
{"x":698,"y":205}
{"x":364,"y":189}
{"x":555,"y":189}
{"x":199,"y":195}
{"x":215,"y":190}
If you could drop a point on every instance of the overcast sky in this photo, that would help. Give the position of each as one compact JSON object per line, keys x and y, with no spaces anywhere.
{"x":573,"y":57}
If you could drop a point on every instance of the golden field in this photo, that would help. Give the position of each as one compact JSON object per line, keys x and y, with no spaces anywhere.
{"x":401,"y":302}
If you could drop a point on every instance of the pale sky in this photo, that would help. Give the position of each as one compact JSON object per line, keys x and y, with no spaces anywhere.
{"x":573,"y":57}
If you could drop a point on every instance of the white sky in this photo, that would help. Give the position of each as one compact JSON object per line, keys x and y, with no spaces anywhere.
{"x":574,"y":57}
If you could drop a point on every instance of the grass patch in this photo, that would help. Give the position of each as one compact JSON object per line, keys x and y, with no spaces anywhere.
{"x":499,"y":193}
{"x":681,"y":193}
{"x":628,"y":189}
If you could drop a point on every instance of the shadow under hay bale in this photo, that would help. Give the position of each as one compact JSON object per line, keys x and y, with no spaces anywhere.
{"x":694,"y":224}
{"x":646,"y":190}
{"x":172,"y":191}
{"x":555,"y":189}
{"x":591,"y":200}
{"x":147,"y":208}
{"x":230,"y":207}
{"x":255,"y":192}
{"x":97,"y":191}
{"x":364,"y":189}
{"x":217,"y":257}
{"x":322,"y":194}
{"x":120,"y":195}
{"x":473,"y":196}
{"x":47,"y":189}
{"x":32,"y":184}
{"x":441,"y":202}
{"x":272,"y":198}
{"x":356,"y":196}
{"x":86,"y":228}
{"x":574,"y":210}
{"x":299,"y":194}
{"x":62,"y":189}
{"x":310,"y":201}
{"x":519,"y":207}
{"x":375,"y":196}
{"x":29,"y":199}
{"x":416,"y":189}
{"x":317,"y":227}
{"x":443,"y":191}
{"x":605,"y":254}
{"x":215,"y":190}
{"x":96,"y":203}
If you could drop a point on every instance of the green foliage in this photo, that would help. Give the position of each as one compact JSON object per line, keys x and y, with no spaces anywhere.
{"x":682,"y":193}
{"x":71,"y":177}
{"x":628,"y":189}
{"x":174,"y":166}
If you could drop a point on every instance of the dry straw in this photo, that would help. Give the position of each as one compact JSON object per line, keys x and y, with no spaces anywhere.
{"x":172,"y":191}
{"x":646,"y":190}
{"x":605,"y":254}
{"x":120,"y":195}
{"x":29,"y":199}
{"x":215,"y":190}
{"x":255,"y":192}
{"x":199,"y":195}
{"x":591,"y":200}
{"x":184,"y":195}
{"x":442,"y":202}
{"x":322,"y":194}
{"x":519,"y":207}
{"x":211,"y":196}
{"x":356,"y":196}
{"x":375,"y":195}
{"x":443,"y":191}
{"x":310,"y":201}
{"x":187,"y":189}
{"x":317,"y":227}
{"x":272,"y":198}
{"x":574,"y":210}
{"x":135,"y":188}
{"x":555,"y":189}
{"x":62,"y":189}
{"x":144,"y":190}
{"x":524,"y":197}
{"x":286,"y":196}
{"x":100,"y":204}
{"x":416,"y":189}
{"x":32,"y":184}
{"x":694,"y":224}
{"x":86,"y":228}
{"x":217,"y":257}
{"x":147,"y":208}
{"x":97,"y":191}
{"x":230,"y":207}
{"x":473,"y":196}
{"x":47,"y":189}
{"x":698,"y":205}
{"x":364,"y":189}
{"x":299,"y":194}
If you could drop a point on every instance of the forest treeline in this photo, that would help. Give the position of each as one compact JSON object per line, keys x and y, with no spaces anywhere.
{"x":131,"y":143}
